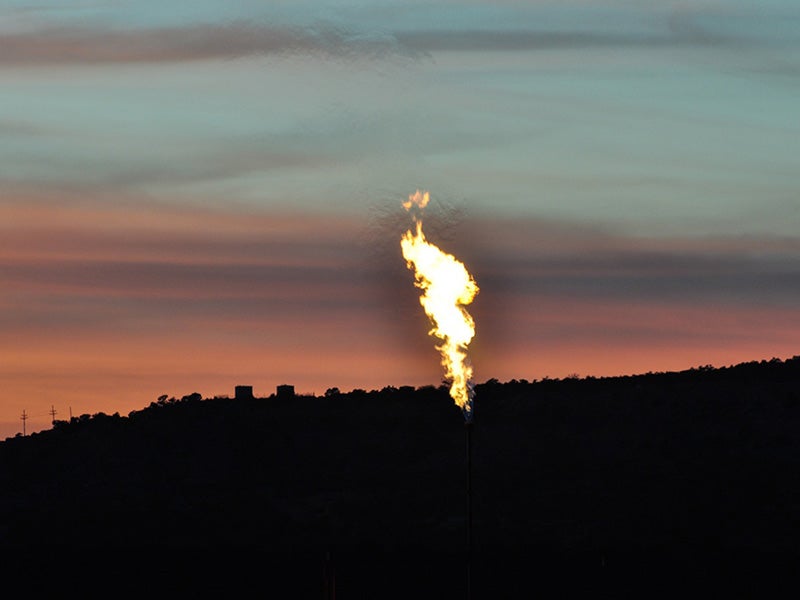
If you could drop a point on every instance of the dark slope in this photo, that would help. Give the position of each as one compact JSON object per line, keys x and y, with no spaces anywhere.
{"x":666,"y":473}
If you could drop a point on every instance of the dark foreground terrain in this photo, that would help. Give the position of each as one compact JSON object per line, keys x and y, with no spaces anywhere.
{"x":665,"y":484}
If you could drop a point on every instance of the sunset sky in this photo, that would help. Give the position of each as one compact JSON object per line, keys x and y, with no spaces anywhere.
{"x":198,"y":195}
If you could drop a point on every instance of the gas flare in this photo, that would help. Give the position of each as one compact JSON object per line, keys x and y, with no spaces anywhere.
{"x":447,"y":288}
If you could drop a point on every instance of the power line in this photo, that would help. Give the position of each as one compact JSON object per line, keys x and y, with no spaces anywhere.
{"x":24,"y":418}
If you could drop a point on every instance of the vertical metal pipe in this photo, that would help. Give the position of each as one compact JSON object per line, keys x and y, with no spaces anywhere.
{"x":468,"y":429}
{"x":329,"y":578}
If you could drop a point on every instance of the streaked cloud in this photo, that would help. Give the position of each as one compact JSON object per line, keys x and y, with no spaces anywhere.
{"x":518,"y":40}
{"x":540,"y":258}
{"x":292,"y":262}
{"x":62,"y":44}
{"x":96,"y":45}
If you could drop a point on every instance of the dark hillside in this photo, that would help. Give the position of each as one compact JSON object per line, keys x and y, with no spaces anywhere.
{"x":667,"y":471}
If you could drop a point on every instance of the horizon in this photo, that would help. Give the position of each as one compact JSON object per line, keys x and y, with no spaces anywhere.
{"x":199,"y":197}
{"x":442,"y":385}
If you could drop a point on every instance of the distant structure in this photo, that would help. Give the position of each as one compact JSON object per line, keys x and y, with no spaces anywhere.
{"x":285,"y":391}
{"x":243,"y":392}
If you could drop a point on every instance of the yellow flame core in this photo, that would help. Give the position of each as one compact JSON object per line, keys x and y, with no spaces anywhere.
{"x":447,"y":287}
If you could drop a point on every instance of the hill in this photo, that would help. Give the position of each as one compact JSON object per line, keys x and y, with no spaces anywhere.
{"x":673,"y":472}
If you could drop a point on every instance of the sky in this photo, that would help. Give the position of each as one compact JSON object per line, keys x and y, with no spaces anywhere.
{"x":199,"y":195}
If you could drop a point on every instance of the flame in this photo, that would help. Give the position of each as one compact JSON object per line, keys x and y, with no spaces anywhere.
{"x":447,"y":287}
{"x":418,"y":199}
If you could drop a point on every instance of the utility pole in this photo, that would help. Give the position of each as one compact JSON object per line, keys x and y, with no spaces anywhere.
{"x":24,"y":418}
{"x":52,"y":414}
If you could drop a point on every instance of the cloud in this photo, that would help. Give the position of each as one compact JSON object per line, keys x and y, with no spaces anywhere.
{"x":142,"y":253}
{"x":516,"y":40}
{"x":541,"y":258}
{"x":61,"y":45}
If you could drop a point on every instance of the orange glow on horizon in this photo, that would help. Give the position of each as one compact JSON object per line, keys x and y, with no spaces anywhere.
{"x":106,"y":306}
